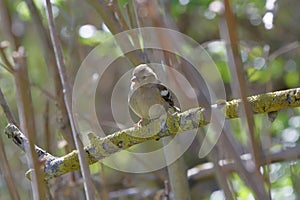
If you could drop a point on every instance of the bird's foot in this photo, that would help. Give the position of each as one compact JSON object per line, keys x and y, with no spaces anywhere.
{"x":139,"y":123}
{"x":142,"y":122}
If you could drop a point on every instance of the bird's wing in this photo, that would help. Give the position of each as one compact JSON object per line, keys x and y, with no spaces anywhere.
{"x":165,"y":93}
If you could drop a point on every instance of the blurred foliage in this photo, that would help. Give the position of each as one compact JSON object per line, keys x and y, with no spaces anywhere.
{"x":271,"y":62}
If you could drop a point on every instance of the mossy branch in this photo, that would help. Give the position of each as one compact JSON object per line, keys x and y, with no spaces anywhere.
{"x":100,"y":148}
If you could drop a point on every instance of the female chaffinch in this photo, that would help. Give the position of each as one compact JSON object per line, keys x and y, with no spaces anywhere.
{"x":148,"y":98}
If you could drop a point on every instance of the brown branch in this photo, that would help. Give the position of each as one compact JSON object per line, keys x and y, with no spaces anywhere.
{"x":130,"y":11}
{"x":6,"y":110}
{"x":47,"y":126}
{"x":23,"y":142}
{"x":5,"y":16}
{"x":121,"y":19}
{"x":25,"y":108}
{"x":26,"y":116}
{"x":5,"y":67}
{"x":8,"y":65}
{"x":8,"y":174}
{"x":68,"y":103}
{"x":240,"y":90}
{"x":5,"y":165}
{"x":101,"y":148}
{"x":237,"y":71}
{"x":62,"y":119}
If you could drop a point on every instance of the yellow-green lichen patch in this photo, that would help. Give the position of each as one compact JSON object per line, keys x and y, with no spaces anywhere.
{"x":103,"y":147}
{"x":231,"y":108}
{"x":149,"y":130}
{"x":293,"y":98}
{"x":191,"y":119}
{"x":185,"y":123}
{"x":70,"y":162}
{"x":200,"y":117}
{"x":172,"y":124}
{"x":260,"y":103}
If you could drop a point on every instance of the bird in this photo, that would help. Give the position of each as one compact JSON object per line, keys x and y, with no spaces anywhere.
{"x":148,"y":97}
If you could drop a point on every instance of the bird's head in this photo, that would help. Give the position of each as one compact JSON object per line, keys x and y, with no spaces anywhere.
{"x":143,"y":74}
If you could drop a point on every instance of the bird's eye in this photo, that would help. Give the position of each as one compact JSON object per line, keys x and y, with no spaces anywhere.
{"x":143,"y":77}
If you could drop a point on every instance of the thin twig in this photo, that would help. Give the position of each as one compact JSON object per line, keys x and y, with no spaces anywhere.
{"x":5,"y":165}
{"x":119,"y":13}
{"x":3,"y":46}
{"x":47,"y":126}
{"x":5,"y":67}
{"x":131,"y":12}
{"x":240,"y":89}
{"x":67,"y":99}
{"x":27,"y":119}
{"x":25,"y":107}
{"x":62,"y":118}
{"x":130,"y":16}
{"x":8,"y":174}
{"x":6,"y":110}
{"x":5,"y":15}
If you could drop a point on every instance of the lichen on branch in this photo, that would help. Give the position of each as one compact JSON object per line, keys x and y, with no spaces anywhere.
{"x":102,"y":147}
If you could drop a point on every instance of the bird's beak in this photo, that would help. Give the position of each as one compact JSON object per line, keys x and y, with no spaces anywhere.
{"x":134,"y":79}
